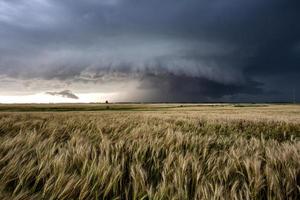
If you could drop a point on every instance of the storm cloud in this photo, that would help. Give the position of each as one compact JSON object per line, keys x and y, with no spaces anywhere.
{"x":193,"y":50}
{"x":65,"y":93}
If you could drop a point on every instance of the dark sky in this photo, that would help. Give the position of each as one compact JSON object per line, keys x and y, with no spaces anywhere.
{"x":152,"y":50}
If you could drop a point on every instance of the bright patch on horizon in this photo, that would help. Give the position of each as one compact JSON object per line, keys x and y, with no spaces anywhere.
{"x":47,"y":98}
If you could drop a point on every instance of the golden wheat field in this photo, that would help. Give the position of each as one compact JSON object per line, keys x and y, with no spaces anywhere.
{"x":161,"y":151}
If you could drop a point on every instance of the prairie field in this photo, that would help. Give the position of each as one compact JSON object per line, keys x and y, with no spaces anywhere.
{"x":150,"y":151}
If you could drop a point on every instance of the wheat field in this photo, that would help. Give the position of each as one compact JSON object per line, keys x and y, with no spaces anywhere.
{"x":150,"y":152}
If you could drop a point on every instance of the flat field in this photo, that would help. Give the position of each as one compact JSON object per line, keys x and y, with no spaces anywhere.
{"x":150,"y":151}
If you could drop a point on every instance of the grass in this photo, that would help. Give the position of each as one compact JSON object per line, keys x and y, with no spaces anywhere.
{"x":151,"y":152}
{"x":111,"y":107}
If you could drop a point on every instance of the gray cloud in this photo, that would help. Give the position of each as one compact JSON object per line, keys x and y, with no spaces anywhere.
{"x":65,"y":93}
{"x":192,"y":50}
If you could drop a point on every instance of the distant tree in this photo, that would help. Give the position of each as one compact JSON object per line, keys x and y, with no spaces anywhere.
{"x":107,"y":107}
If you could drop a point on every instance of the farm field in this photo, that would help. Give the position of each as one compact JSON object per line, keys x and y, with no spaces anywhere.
{"x":150,"y":151}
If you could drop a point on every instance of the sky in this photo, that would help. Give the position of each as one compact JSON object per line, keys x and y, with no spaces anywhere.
{"x":149,"y":51}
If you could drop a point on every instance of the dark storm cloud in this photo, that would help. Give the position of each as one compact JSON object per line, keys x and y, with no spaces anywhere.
{"x":182,"y":88}
{"x":65,"y":93}
{"x":193,"y":50}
